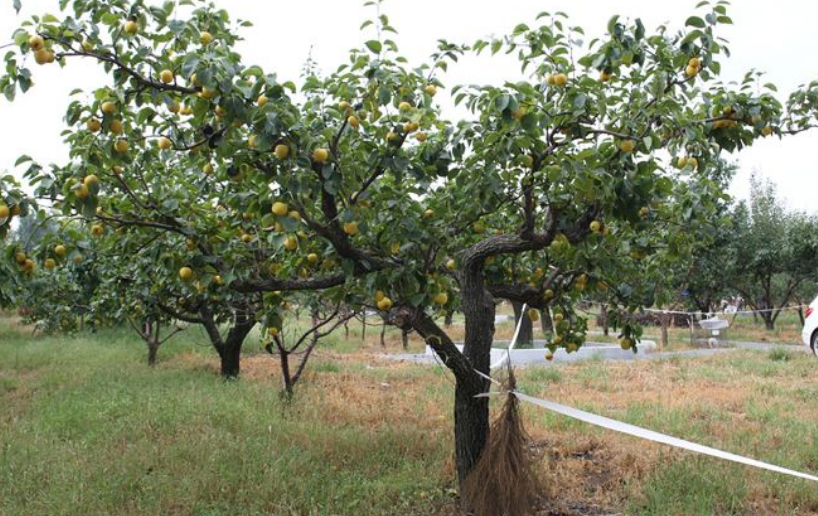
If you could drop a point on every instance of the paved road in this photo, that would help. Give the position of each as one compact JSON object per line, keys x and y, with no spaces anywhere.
{"x":537,"y":356}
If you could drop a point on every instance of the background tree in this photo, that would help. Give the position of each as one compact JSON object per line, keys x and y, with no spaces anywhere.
{"x":773,"y":252}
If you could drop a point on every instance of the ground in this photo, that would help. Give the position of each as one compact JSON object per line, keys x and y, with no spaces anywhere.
{"x":87,"y":428}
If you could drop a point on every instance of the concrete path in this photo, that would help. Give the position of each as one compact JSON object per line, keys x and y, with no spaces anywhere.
{"x":601,"y":351}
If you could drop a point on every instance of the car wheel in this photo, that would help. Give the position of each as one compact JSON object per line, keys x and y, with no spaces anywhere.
{"x":813,"y":343}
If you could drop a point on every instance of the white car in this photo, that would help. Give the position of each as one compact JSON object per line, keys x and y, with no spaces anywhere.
{"x":810,"y":332}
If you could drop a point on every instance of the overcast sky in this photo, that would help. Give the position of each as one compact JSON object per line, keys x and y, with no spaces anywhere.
{"x":776,"y":37}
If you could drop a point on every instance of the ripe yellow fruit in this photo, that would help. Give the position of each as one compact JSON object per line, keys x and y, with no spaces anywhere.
{"x":246,"y":238}
{"x":221,"y":112}
{"x":691,"y":71}
{"x":693,"y":163}
{"x":82,"y":192}
{"x":379,"y":295}
{"x":78,"y":259}
{"x":43,"y":56}
{"x":115,"y":126}
{"x":549,"y":356}
{"x":320,"y":155}
{"x":131,"y":27}
{"x":478,"y":227}
{"x":60,"y":250}
{"x":273,"y":331}
{"x":280,"y":208}
{"x":353,"y":122}
{"x":295,"y":215}
{"x":451,"y":264}
{"x":4,"y":212}
{"x":391,"y":136}
{"x":90,"y":179}
{"x":548,"y":294}
{"x":384,"y":304}
{"x":550,"y":80}
{"x":291,"y":243}
{"x":441,"y":299}
{"x":50,"y":263}
{"x":404,"y":106}
{"x":121,"y":146}
{"x":558,"y":317}
{"x":351,"y":228}
{"x":604,"y":76}
{"x":395,"y":248}
{"x":534,"y":314}
{"x":282,"y":151}
{"x":252,"y":141}
{"x":218,"y":280}
{"x":97,"y":230}
{"x":625,"y":344}
{"x":644,"y":211}
{"x":20,"y":258}
{"x":560,"y":80}
{"x":207,"y":93}
{"x":186,"y":110}
{"x":312,"y":258}
{"x":108,"y":107}
{"x":767,"y":130}
{"x":164,"y":143}
{"x":410,"y":127}
{"x":429,"y":213}
{"x":262,"y":100}
{"x":36,"y":42}
{"x":343,"y":106}
{"x":93,"y":125}
{"x":595,"y":226}
{"x":186,"y":273}
{"x":205,"y":38}
{"x":695,"y":62}
{"x":29,"y":266}
{"x":166,"y":76}
{"x":430,"y":90}
{"x":627,"y":146}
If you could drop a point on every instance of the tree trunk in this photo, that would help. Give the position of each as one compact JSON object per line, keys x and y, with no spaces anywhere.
{"x":285,"y":373}
{"x":604,"y":315}
{"x":153,"y":348}
{"x":665,"y":320}
{"x":383,"y":335}
{"x":526,"y":337}
{"x":404,"y":335}
{"x":449,"y":319}
{"x":801,"y":314}
{"x":546,"y":323}
{"x":471,"y":415}
{"x":230,"y":362}
{"x":769,"y":321}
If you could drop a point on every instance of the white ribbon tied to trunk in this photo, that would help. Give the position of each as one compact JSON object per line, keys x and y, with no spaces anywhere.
{"x":633,"y":430}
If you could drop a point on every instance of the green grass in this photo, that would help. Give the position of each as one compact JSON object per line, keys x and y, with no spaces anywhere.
{"x":87,"y":428}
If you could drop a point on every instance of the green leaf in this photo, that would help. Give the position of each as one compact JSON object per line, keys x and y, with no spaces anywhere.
{"x":374,"y":46}
{"x":695,"y":21}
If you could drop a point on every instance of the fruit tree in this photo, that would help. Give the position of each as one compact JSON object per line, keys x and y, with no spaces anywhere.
{"x":354,"y":184}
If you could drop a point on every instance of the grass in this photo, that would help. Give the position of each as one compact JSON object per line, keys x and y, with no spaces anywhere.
{"x":87,"y":428}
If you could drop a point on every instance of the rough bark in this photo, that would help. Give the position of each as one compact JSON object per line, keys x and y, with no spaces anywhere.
{"x":153,"y":348}
{"x":526,"y":337}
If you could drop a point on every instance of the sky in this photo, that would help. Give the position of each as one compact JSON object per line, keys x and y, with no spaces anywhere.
{"x":777,"y":38}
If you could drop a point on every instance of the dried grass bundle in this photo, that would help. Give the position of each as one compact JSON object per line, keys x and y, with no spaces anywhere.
{"x":504,"y":482}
